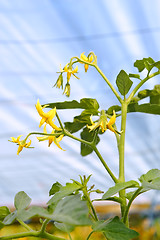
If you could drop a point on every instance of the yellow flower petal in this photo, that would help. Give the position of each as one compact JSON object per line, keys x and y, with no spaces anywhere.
{"x":112,"y":119}
{"x":83,"y":57}
{"x":19,"y":149}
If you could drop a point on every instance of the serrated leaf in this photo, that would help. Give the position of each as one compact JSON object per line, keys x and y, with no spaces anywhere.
{"x":55,"y":188}
{"x":87,"y":136}
{"x":118,"y":187}
{"x":4,"y":211}
{"x":70,"y":210}
{"x":114,"y":229}
{"x":144,"y":108}
{"x":123,"y":82}
{"x":63,"y":192}
{"x":21,"y":200}
{"x":85,"y":103}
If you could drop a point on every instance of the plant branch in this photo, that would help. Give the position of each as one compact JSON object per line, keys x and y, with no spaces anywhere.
{"x":104,"y":164}
{"x":140,"y":84}
{"x":109,"y":84}
{"x":46,"y":221}
{"x":24,"y":225}
{"x":129,"y":204}
{"x":37,"y":234}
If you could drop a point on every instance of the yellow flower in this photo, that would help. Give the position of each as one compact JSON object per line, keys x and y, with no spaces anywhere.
{"x":86,"y":59}
{"x":46,"y":117}
{"x":51,"y":139}
{"x":21,"y":144}
{"x":70,"y":71}
{"x":103,"y":123}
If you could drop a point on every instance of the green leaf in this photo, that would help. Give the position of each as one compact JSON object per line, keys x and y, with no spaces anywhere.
{"x":70,"y":210}
{"x":154,"y":184}
{"x":85,"y":103}
{"x":114,"y":199}
{"x":151,"y":180}
{"x":144,"y":108}
{"x":80,"y":121}
{"x":144,"y":93}
{"x":147,"y":63}
{"x":157,"y":65}
{"x":132,"y":75}
{"x":150,"y":175}
{"x":87,"y":136}
{"x":4,"y":211}
{"x":114,"y":229}
{"x":74,"y":126}
{"x":55,"y":188}
{"x":123,"y":82}
{"x":9,"y":219}
{"x":64,"y":227}
{"x":154,"y":94}
{"x":63,"y":192}
{"x":21,"y":201}
{"x":118,"y":187}
{"x":116,"y":108}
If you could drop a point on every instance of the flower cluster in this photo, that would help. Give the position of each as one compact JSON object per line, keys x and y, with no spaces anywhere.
{"x":48,"y":119}
{"x":21,"y":144}
{"x":86,"y":60}
{"x":103,"y":123}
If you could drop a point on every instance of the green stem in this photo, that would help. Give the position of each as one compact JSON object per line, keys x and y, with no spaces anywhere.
{"x":20,"y":235}
{"x":25,"y":225}
{"x":103,"y":76}
{"x":59,"y":120}
{"x":91,"y":205}
{"x":90,"y":235}
{"x":104,"y":164}
{"x":44,"y":134}
{"x":66,"y":133}
{"x":121,"y":149}
{"x":51,"y":237}
{"x":129,"y":204}
{"x":96,"y":151}
{"x":46,"y":221}
{"x":109,"y":84}
{"x":37,"y":234}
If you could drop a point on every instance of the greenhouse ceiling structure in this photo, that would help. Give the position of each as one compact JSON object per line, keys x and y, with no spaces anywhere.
{"x":36,"y":37}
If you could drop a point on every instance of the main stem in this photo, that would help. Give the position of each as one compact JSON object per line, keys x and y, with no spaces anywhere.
{"x":122,"y":153}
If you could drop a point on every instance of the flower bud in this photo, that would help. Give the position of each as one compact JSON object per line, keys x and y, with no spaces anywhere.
{"x":67,"y":90}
